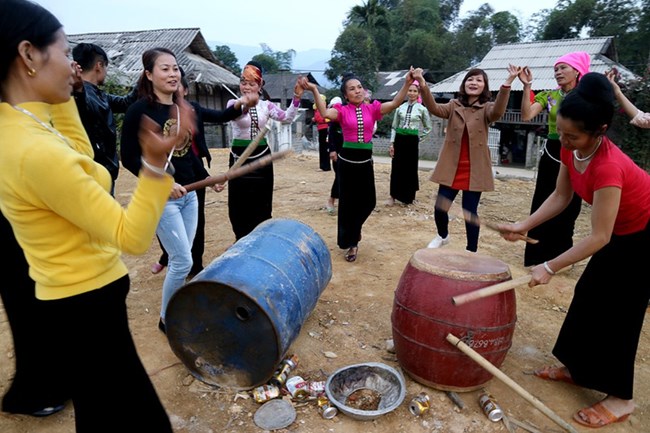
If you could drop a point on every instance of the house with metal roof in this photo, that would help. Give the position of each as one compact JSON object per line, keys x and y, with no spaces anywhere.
{"x":519,"y":141}
{"x":211,"y":83}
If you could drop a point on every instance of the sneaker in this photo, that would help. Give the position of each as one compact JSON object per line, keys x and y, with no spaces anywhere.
{"x":47,"y":411}
{"x":438,"y":241}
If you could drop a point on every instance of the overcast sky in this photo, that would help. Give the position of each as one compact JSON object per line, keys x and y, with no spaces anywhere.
{"x":281,"y":24}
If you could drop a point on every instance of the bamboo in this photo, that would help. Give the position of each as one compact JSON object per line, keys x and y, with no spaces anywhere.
{"x":509,"y":382}
{"x":495,"y":289}
{"x":234,"y":173}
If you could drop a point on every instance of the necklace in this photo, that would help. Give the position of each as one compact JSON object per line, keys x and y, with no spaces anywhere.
{"x":575,"y":151}
{"x":43,"y":124}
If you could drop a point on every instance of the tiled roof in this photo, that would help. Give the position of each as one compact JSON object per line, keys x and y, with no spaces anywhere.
{"x":125,"y":49}
{"x":539,"y":56}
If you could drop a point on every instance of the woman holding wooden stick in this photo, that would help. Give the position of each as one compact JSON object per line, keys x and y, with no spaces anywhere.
{"x":250,"y":197}
{"x":598,"y":340}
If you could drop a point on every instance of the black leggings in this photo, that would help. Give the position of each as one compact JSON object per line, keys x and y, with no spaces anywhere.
{"x":446,"y":196}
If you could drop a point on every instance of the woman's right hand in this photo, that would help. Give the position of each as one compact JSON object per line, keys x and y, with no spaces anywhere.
{"x":525,"y":76}
{"x":391,"y":150}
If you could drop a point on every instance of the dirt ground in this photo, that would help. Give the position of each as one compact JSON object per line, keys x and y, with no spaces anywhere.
{"x":353,"y":318}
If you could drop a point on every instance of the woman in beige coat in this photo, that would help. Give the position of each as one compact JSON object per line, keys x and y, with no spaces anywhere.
{"x":464,"y":163}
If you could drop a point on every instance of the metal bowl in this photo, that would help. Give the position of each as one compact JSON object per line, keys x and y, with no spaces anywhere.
{"x":385,"y":381}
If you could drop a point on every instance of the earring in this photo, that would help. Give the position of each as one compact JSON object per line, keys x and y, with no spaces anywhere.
{"x":31,"y":72}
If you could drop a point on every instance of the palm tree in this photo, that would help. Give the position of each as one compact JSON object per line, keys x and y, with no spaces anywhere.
{"x":371,"y":14}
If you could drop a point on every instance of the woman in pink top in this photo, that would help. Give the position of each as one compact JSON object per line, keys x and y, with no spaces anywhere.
{"x":599,"y":337}
{"x":356,"y":175}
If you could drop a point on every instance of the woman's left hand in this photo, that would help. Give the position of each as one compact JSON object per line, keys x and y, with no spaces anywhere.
{"x":178,"y":191}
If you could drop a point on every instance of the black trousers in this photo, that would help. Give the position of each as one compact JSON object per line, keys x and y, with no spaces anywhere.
{"x":404,"y":181}
{"x":37,"y":383}
{"x":323,"y":153}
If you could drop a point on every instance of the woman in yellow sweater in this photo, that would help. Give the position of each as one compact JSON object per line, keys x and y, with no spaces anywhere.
{"x":72,"y":231}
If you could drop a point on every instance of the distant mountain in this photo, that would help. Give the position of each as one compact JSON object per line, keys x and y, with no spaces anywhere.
{"x":314,"y":60}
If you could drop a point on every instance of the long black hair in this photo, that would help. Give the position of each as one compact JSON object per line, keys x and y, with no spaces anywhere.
{"x":22,"y":20}
{"x":145,"y":86}
{"x":591,"y":103}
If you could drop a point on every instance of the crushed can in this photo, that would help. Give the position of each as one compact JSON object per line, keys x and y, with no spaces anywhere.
{"x":298,"y":388}
{"x":316,"y":388}
{"x":264,"y":393}
{"x":419,"y":404}
{"x":281,"y":375}
{"x":490,"y":407}
{"x":325,"y":408}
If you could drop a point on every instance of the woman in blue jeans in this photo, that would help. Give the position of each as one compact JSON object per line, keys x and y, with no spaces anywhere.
{"x":159,"y":83}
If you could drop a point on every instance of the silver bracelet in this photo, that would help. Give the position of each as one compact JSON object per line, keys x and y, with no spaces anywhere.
{"x":548,"y":268}
{"x":168,"y":169}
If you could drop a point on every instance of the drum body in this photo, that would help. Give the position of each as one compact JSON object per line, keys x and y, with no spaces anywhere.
{"x":424,"y":314}
{"x":234,"y":322}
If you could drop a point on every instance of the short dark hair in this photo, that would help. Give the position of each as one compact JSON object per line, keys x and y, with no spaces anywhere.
{"x":591,"y":103}
{"x":484,"y":97}
{"x":87,"y":55}
{"x":23,"y":20}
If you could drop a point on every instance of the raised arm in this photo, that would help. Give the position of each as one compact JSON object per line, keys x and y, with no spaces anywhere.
{"x":329,"y":113}
{"x":639,"y":118}
{"x":528,"y":110}
{"x":389,"y":106}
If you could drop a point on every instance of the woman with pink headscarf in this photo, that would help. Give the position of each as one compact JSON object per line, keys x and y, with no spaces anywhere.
{"x":555,"y":235}
{"x":410,"y":123}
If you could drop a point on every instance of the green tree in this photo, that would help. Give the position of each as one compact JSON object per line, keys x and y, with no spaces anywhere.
{"x":504,"y":28}
{"x":274,"y":61}
{"x":568,"y":19}
{"x":228,"y":58}
{"x":354,"y":51}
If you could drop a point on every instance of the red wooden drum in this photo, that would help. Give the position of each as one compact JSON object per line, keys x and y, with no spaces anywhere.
{"x":423,"y":314}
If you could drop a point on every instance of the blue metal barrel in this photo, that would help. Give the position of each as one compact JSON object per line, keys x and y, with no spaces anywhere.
{"x":234,"y":322}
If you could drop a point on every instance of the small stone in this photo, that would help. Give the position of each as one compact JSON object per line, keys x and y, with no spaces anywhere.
{"x":330,"y":355}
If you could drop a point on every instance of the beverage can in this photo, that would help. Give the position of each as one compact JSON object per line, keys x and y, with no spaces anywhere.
{"x":325,"y":408}
{"x":281,"y":374}
{"x":264,"y":393}
{"x":316,"y":388}
{"x":419,"y":404}
{"x":490,"y":407}
{"x":298,"y":388}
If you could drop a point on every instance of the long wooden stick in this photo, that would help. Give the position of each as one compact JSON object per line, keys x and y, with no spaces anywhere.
{"x":251,"y":147}
{"x":234,"y":173}
{"x":508,"y":381}
{"x":495,"y":289}
{"x":475,"y":220}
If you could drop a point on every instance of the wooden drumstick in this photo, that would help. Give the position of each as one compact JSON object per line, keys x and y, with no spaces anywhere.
{"x":240,"y":171}
{"x":508,"y":381}
{"x":251,"y":147}
{"x":496,"y":288}
{"x":475,"y":220}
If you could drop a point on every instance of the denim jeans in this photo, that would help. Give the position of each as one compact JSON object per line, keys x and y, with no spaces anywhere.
{"x":176,"y":231}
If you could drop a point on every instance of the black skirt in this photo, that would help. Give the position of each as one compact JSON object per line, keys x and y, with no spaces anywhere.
{"x":250,"y":197}
{"x":404,"y":180}
{"x":600,"y":334}
{"x":555,"y":236}
{"x":357,"y":194}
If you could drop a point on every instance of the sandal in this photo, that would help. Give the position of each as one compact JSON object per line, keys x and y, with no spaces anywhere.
{"x":559,"y":374}
{"x":597,"y":416}
{"x":351,"y":255}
